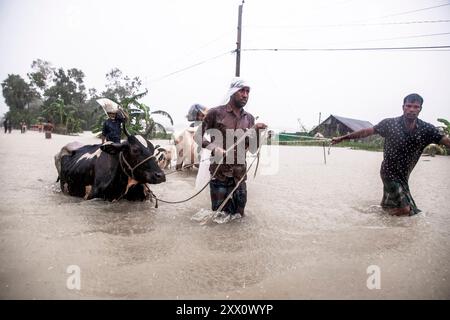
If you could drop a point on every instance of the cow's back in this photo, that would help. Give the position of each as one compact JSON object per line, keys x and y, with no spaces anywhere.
{"x":78,"y":168}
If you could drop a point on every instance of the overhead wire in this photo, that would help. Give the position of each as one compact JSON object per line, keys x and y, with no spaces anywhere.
{"x":413,"y":48}
{"x":346,"y":49}
{"x":354,"y":24}
{"x":191,"y":66}
{"x":411,"y":11}
{"x":398,"y":38}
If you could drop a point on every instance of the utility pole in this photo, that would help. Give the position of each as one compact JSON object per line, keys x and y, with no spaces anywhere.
{"x":238,"y":42}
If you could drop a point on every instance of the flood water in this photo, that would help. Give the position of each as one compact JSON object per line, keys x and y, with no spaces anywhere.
{"x":310,"y":232}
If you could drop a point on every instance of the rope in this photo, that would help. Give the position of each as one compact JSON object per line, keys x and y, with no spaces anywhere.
{"x":212,"y":176}
{"x":121,"y":161}
{"x":237,"y":184}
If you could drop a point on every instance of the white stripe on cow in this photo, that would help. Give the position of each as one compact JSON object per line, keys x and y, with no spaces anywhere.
{"x":88,"y":155}
{"x":142,"y":141}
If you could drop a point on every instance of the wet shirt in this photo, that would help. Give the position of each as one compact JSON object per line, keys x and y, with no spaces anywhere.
{"x":403,"y":147}
{"x":111,"y":130}
{"x":222,"y":118}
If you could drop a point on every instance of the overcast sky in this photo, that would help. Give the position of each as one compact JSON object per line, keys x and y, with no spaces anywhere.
{"x":152,"y":39}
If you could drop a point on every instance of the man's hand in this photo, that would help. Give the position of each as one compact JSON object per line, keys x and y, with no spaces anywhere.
{"x":122,"y":114}
{"x":260,"y":126}
{"x":218,"y":151}
{"x":336,"y":140}
{"x":445,"y":141}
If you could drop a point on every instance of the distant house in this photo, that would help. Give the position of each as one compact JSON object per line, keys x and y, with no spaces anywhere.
{"x":335,"y":126}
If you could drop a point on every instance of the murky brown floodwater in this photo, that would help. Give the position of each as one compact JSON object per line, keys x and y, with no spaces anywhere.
{"x":311,"y":231}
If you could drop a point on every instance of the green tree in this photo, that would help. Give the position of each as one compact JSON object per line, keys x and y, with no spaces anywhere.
{"x":19,"y":96}
{"x":41,"y":76}
{"x":72,"y":122}
{"x":67,"y":91}
{"x":56,"y":111}
{"x":67,"y":86}
{"x":119,"y":86}
{"x":17,"y":92}
{"x":64,"y":117}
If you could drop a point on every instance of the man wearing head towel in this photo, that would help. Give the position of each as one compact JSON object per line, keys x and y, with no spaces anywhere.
{"x":225,"y":124}
{"x":112,"y":126}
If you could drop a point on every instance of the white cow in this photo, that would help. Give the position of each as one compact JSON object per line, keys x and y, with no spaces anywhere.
{"x":186,"y":148}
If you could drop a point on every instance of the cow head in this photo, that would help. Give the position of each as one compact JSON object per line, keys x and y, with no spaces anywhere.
{"x":163,"y":156}
{"x":137,"y":153}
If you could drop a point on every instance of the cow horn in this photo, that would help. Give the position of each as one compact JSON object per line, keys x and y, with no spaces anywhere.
{"x":125,"y":130}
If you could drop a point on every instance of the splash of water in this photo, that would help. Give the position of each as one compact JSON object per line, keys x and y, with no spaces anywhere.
{"x":205,"y":216}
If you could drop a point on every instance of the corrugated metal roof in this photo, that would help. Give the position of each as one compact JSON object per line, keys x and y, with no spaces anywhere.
{"x":354,"y":124}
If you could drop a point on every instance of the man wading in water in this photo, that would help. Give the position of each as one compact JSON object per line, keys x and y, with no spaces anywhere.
{"x":226,"y":124}
{"x":405,"y":139}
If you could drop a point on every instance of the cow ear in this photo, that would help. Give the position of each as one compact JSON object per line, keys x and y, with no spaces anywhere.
{"x":114,"y":148}
{"x":150,"y":146}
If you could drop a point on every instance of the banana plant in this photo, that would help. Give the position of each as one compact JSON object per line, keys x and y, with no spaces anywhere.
{"x":56,"y":110}
{"x":140,"y":117}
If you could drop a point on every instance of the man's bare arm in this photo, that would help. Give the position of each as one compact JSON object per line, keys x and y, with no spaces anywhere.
{"x":445,"y":141}
{"x":354,"y":135}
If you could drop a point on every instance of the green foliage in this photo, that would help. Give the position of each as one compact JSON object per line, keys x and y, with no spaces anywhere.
{"x":20,"y":98}
{"x":17,"y":92}
{"x":127,"y":92}
{"x":64,"y":117}
{"x":41,"y":76}
{"x":375,"y":143}
{"x":446,"y":127}
{"x":141,"y":121}
{"x":60,"y":95}
{"x":67,"y":86}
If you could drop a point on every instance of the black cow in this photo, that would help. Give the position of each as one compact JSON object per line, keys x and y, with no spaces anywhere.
{"x":110,"y":171}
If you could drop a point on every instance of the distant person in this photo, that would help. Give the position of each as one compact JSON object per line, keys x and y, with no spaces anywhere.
{"x":186,"y":147}
{"x":196,"y":114}
{"x":9,"y":125}
{"x":112,"y":130}
{"x":23,"y":127}
{"x":230,"y":170}
{"x":405,"y":138}
{"x":48,"y":129}
{"x":5,"y":125}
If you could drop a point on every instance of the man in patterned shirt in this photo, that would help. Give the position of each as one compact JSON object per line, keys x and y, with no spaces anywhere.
{"x":405,"y":138}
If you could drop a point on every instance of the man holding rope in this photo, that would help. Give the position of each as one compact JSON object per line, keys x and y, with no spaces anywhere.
{"x":233,"y":131}
{"x":405,"y":138}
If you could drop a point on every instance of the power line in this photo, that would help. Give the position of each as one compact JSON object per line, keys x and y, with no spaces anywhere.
{"x":346,"y":49}
{"x":191,"y":66}
{"x":354,"y":24}
{"x":399,"y":38}
{"x":412,"y":11}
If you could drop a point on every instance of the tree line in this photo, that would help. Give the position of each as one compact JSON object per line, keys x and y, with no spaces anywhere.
{"x":60,"y":96}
